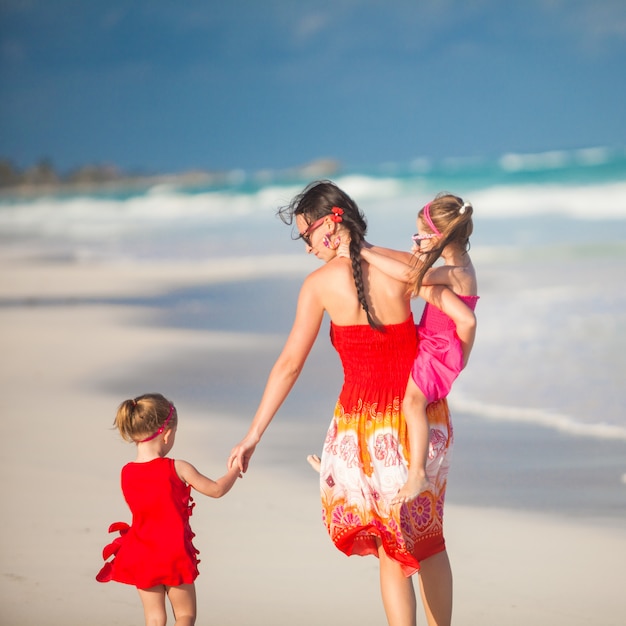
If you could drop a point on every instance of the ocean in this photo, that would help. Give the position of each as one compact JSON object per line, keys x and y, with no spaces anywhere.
{"x":549,"y":245}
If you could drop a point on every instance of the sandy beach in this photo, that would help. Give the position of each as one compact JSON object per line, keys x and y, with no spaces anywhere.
{"x":68,"y":329}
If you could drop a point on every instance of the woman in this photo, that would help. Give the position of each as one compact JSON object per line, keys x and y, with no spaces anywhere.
{"x":366,"y":453}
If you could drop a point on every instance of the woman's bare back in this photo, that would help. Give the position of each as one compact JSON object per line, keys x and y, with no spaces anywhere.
{"x":388,"y":298}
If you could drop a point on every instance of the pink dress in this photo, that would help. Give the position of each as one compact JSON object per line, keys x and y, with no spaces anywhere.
{"x":439,"y":358}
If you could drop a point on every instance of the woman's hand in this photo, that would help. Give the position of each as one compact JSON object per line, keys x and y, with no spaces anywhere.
{"x":241,"y":454}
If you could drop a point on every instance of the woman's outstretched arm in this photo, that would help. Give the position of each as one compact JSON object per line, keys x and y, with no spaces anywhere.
{"x":285,"y":372}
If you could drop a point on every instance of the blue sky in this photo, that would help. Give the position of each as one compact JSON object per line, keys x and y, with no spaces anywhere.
{"x":166,"y":86}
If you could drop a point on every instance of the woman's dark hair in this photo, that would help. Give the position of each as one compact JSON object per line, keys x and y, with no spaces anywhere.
{"x":316,"y":201}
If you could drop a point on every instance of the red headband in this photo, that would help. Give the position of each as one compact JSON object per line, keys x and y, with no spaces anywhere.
{"x":165,"y":423}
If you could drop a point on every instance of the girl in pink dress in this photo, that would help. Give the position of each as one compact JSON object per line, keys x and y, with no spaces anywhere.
{"x":444,"y":228}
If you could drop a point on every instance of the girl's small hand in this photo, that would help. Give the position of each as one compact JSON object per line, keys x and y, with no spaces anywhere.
{"x":343,"y":250}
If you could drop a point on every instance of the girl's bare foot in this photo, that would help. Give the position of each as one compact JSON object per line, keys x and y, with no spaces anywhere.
{"x":314,"y":462}
{"x":410,"y":490}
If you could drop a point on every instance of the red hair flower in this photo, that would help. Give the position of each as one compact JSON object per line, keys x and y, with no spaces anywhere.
{"x":336,"y":214}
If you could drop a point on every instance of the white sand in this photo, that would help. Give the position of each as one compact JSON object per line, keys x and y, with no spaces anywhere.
{"x":266,"y":559}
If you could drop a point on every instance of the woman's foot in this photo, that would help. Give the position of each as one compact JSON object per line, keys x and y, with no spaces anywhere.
{"x":314,"y":462}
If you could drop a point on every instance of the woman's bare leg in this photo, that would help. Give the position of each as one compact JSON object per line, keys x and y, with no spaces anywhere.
{"x":397,"y":592}
{"x":436,"y":589}
{"x":183,"y":599}
{"x":153,"y":600}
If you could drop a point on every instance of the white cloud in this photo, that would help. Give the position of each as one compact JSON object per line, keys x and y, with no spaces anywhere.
{"x":309,"y":26}
{"x":603,"y":19}
{"x":597,"y":24}
{"x":112,"y":18}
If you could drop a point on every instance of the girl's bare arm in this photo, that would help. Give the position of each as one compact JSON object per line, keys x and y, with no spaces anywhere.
{"x":393,"y":267}
{"x":204,"y":484}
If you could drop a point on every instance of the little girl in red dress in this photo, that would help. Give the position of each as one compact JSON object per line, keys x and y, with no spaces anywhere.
{"x":155,"y":553}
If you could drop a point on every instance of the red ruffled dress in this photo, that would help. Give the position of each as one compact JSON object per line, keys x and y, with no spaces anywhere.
{"x":365,"y":456}
{"x":157,"y":548}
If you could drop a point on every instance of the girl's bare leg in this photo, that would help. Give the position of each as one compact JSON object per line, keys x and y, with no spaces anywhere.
{"x":397,"y":592}
{"x":183,"y":599}
{"x":436,"y":589}
{"x":153,"y":600}
{"x":414,"y":409}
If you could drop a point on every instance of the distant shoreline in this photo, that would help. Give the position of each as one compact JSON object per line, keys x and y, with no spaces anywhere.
{"x":29,"y":189}
{"x":43,"y":179}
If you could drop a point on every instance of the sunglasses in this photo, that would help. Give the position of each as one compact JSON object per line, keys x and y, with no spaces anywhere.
{"x":306,"y":235}
{"x":417,"y":238}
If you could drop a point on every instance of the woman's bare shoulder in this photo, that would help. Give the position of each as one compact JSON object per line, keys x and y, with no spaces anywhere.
{"x":331,"y":275}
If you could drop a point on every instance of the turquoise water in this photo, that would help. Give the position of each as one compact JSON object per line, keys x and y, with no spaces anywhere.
{"x":552,"y":198}
{"x":549,"y":245}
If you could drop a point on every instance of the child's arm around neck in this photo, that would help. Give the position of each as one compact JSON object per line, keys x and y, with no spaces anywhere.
{"x":393,"y":267}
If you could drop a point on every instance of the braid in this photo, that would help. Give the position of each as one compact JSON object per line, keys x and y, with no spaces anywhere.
{"x":357,"y":272}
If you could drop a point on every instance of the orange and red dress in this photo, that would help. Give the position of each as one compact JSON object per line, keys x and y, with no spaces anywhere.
{"x":365,"y":456}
